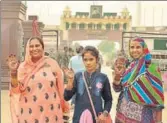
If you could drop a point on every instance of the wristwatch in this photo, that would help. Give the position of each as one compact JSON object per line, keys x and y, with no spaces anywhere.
{"x":105,"y":113}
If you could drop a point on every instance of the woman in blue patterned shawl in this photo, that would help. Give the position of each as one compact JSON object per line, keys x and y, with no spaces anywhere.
{"x":141,"y":99}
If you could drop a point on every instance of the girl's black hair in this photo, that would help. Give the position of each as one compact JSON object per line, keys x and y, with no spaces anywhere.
{"x":92,"y":50}
{"x":39,"y":39}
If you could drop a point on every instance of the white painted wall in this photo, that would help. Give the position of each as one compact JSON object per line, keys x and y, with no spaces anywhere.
{"x":150,"y":43}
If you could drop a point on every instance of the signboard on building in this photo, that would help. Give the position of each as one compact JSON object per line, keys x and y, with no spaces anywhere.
{"x":96,"y":11}
{"x":160,"y":44}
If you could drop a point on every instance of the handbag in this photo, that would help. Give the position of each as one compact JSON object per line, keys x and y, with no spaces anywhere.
{"x":108,"y":118}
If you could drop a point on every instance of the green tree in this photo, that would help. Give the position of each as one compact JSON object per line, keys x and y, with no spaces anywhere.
{"x":108,"y":49}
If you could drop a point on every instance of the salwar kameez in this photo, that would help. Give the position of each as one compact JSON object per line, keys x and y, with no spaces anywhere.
{"x":40,"y":99}
{"x":130,"y":112}
{"x":141,"y":89}
{"x":100,"y":91}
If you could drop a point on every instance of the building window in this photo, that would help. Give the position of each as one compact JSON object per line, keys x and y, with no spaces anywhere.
{"x":90,"y":26}
{"x":67,"y":25}
{"x":162,"y":56}
{"x":116,"y":26}
{"x":82,"y":26}
{"x":154,"y":56}
{"x":158,"y":57}
{"x":99,"y":26}
{"x":108,"y":26}
{"x":73,"y":25}
{"x":124,"y":26}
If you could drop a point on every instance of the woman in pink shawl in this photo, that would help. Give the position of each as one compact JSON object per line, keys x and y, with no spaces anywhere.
{"x":36,"y":87}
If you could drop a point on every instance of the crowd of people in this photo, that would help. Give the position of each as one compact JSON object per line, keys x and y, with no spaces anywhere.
{"x":41,"y":86}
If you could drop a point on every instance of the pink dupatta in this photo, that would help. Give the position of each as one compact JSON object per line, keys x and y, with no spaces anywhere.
{"x":25,"y":71}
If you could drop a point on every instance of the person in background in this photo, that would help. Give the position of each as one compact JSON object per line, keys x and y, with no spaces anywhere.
{"x":70,"y":52}
{"x":77,"y":65}
{"x":65,"y":57}
{"x":76,"y":62}
{"x":100,"y":63}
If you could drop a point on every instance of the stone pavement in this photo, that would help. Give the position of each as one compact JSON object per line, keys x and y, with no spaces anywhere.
{"x":5,"y":107}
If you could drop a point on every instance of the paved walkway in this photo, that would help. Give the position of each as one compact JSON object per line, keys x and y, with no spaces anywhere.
{"x":5,"y":107}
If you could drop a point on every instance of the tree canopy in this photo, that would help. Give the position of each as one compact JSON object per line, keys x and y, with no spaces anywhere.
{"x":108,"y":49}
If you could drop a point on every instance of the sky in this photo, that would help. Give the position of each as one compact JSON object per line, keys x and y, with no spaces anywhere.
{"x":49,"y":12}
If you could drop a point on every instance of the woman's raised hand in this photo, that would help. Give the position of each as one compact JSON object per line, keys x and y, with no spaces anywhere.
{"x":12,"y":62}
{"x":69,"y":73}
{"x":119,"y":69}
{"x":119,"y":66}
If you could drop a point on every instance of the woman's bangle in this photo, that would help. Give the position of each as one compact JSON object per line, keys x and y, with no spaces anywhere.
{"x":117,"y":82}
{"x":14,"y":86}
{"x":69,"y":87}
{"x":13,"y":73}
{"x":14,"y":82}
{"x":117,"y":77}
{"x":71,"y":78}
